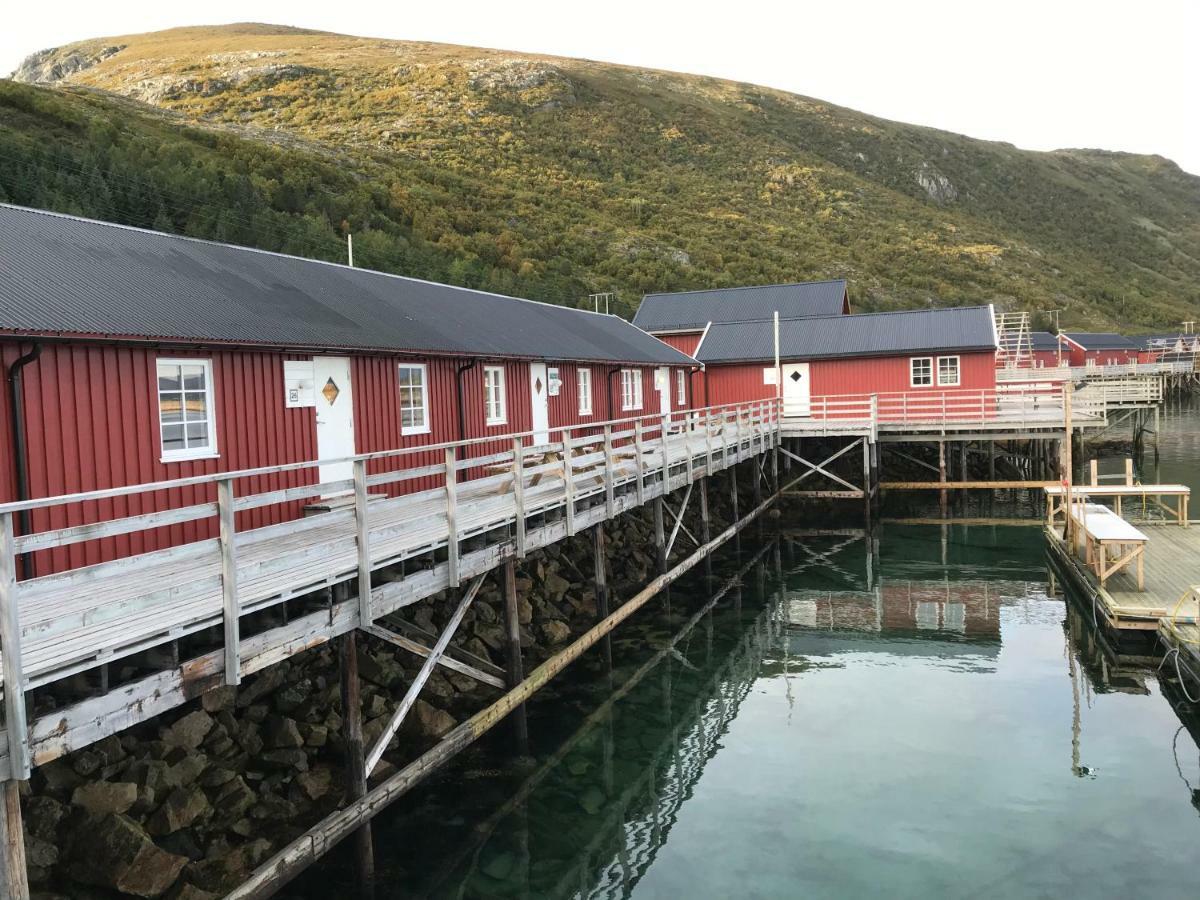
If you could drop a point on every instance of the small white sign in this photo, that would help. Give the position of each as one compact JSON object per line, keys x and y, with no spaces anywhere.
{"x":770,"y":376}
{"x":298,"y":387}
{"x":555,"y":382}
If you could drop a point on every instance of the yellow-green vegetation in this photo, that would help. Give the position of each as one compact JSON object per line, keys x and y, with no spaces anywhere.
{"x":551,"y":178}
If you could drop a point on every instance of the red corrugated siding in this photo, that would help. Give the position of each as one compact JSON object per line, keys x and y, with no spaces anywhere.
{"x":685,"y":343}
{"x":735,"y":383}
{"x":888,"y":374}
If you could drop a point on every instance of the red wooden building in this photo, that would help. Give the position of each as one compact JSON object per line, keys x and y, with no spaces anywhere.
{"x":1048,"y":351}
{"x":1097,"y":348}
{"x":133,"y":357}
{"x":832,"y":365}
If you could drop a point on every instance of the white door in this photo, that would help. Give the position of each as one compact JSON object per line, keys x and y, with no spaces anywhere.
{"x":335,"y":415}
{"x":662,"y":381}
{"x":796,"y":390}
{"x":539,"y":393}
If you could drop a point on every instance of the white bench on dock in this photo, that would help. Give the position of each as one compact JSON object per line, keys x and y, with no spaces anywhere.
{"x":1101,"y":529}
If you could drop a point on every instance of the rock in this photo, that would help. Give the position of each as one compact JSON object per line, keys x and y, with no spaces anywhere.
{"x":492,"y":636}
{"x":379,"y":669}
{"x":498,"y":865}
{"x":185,"y":769}
{"x":315,"y":735}
{"x":60,"y":778}
{"x":86,"y":763}
{"x":215,"y":776}
{"x":283,"y":732}
{"x":375,"y":706}
{"x":555,"y":632}
{"x":181,"y":808}
{"x":592,"y":800}
{"x":250,"y":739}
{"x":524,"y":610}
{"x":40,"y":852}
{"x":182,"y":843}
{"x":101,"y":797}
{"x":115,"y":853}
{"x":267,"y":682}
{"x":429,"y":721}
{"x":555,"y":586}
{"x":315,"y":783}
{"x":151,"y":773}
{"x":191,"y":892}
{"x":43,"y":816}
{"x":219,"y":699}
{"x":293,"y":758}
{"x":190,"y":731}
{"x":233,"y":799}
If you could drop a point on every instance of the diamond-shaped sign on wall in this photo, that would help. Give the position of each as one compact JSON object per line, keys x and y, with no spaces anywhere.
{"x":330,"y":391}
{"x":537,"y":385}
{"x":796,"y":376}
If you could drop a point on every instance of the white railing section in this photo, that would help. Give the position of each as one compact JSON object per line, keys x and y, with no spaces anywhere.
{"x":69,"y":621}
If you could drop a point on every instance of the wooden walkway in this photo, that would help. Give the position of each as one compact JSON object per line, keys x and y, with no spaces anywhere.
{"x":78,"y":620}
{"x":1172,"y":565}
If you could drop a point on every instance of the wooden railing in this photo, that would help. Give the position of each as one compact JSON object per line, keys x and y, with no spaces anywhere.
{"x":472,"y":490}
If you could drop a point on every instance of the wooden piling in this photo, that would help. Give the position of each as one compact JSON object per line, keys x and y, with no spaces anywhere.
{"x":352,"y":736}
{"x":660,"y":535}
{"x":705,"y":525}
{"x":14,"y":878}
{"x":942,"y":476}
{"x":515,"y":667}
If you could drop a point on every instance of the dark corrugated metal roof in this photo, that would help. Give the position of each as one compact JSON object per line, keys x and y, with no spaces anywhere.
{"x":1101,"y":340}
{"x":695,"y":309}
{"x":63,"y":274}
{"x":876,"y":334}
{"x":1043,"y":341}
{"x":1164,"y":341}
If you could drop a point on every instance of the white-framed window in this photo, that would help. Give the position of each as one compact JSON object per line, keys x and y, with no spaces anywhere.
{"x":920,"y":370}
{"x":414,"y":398}
{"x":948,"y":374}
{"x":631,"y":389}
{"x":680,"y":388}
{"x":495,"y":410}
{"x":583,"y":384}
{"x":187,"y":418}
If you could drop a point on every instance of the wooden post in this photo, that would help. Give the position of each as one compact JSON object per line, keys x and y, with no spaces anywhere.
{"x":600,"y":554}
{"x":363,"y":539}
{"x":705,"y":525}
{"x":352,"y":737}
{"x":10,"y":644}
{"x":866,"y":459}
{"x":942,"y":476}
{"x":733,"y":491}
{"x":515,"y":668}
{"x":640,"y":461}
{"x":229,"y":587}
{"x":660,"y":538}
{"x":568,"y":481}
{"x":452,"y":516}
{"x":519,"y":493}
{"x":609,"y":498}
{"x":14,"y":877}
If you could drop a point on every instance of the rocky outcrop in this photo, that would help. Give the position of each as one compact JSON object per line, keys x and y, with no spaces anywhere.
{"x":59,"y":63}
{"x":935,"y":184}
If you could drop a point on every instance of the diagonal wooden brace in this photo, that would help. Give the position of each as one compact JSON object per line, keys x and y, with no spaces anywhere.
{"x":431,"y":661}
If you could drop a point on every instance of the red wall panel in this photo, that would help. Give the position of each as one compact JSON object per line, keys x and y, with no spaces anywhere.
{"x":685,"y":343}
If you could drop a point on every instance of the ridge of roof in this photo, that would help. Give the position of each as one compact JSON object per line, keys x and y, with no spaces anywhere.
{"x":856,"y":316}
{"x":743,"y":287}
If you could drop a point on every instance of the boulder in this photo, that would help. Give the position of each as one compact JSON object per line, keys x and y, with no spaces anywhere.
{"x":185,"y":769}
{"x":282,"y":732}
{"x":314,"y":784}
{"x":292,"y":758}
{"x":233,"y":799}
{"x":190,"y":731}
{"x":267,"y":682}
{"x":219,"y":699}
{"x":113,"y":852}
{"x":555,"y":632}
{"x":191,"y":892}
{"x":40,"y":853}
{"x":181,"y":808}
{"x":101,"y":797}
{"x":44,"y":816}
{"x":430,"y":722}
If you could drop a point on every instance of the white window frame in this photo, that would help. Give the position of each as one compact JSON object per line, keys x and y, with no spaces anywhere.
{"x":583,"y":391}
{"x":957,"y":371}
{"x":495,"y":406}
{"x":424,"y":370}
{"x":912,"y":371}
{"x":680,"y":388}
{"x":210,"y":450}
{"x":631,"y":389}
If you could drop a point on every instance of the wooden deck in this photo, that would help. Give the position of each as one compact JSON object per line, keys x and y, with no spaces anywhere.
{"x":81,"y":619}
{"x":1172,"y":566}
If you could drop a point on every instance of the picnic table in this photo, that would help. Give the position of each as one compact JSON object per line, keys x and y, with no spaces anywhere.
{"x":1101,"y":530}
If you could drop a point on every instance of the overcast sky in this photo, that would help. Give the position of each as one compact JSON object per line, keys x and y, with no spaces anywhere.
{"x":1042,"y":75}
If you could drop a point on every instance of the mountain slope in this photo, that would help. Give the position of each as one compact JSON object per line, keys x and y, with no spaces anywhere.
{"x":552,"y":178}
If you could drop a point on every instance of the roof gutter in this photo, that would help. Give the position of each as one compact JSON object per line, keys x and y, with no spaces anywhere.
{"x":16,"y":411}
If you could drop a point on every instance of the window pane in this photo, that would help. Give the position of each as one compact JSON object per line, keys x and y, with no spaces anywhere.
{"x":196,"y":406}
{"x":193,"y":378}
{"x":406,"y":418}
{"x":172,"y":438}
{"x":197,"y":434}
{"x":170,"y":408}
{"x":404,"y":376}
{"x":168,"y":378}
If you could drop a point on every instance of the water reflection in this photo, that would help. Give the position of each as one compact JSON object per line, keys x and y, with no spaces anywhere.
{"x":807,"y":724}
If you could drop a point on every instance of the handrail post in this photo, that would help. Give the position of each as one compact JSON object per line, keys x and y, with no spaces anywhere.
{"x":874,"y":417}
{"x":609,"y":497}
{"x":519,"y":495}
{"x":363,"y":537}
{"x":10,"y":644}
{"x":737,"y":434}
{"x":568,"y":481}
{"x":639,"y":460}
{"x":452,"y":516}
{"x":666,"y":459}
{"x":229,"y":586}
{"x":708,"y":450}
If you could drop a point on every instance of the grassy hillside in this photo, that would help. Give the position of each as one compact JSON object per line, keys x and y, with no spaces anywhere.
{"x":551,"y":178}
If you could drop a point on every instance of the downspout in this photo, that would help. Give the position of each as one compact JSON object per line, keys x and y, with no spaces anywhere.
{"x":19,"y":449}
{"x":458,"y":389}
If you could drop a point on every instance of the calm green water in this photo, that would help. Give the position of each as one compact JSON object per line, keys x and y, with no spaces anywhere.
{"x":921,"y":720}
{"x":925,"y":727}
